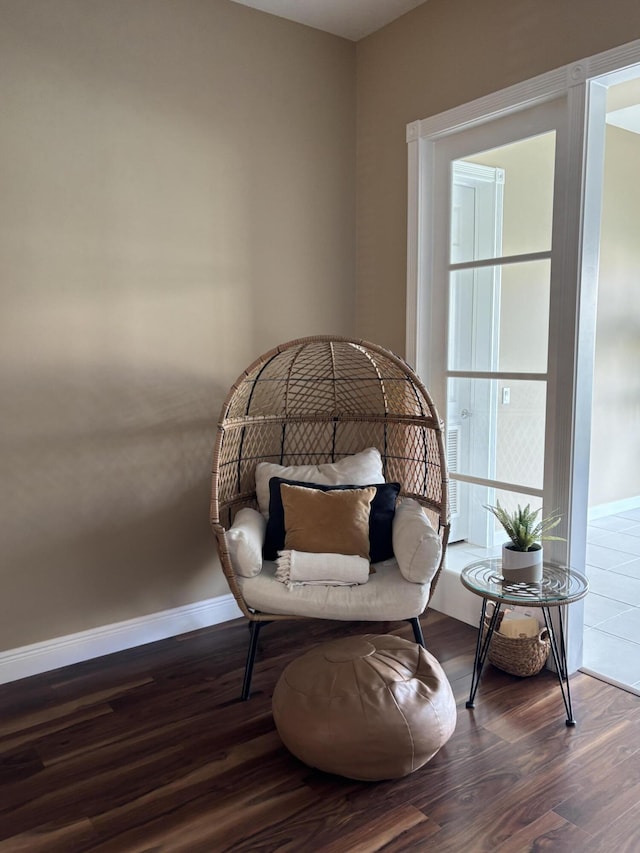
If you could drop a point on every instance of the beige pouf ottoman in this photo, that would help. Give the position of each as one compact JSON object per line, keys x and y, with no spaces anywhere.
{"x":371,"y":707}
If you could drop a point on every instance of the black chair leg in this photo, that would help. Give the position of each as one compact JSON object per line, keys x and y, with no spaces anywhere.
{"x":417,"y":631}
{"x":254,"y":628}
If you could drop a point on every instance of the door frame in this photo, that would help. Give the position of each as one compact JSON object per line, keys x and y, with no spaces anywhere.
{"x":573,"y":306}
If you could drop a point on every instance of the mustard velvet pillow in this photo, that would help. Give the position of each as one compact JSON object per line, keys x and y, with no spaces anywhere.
{"x":327,"y":522}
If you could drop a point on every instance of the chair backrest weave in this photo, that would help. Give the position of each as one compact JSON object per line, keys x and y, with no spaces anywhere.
{"x":318,"y":399}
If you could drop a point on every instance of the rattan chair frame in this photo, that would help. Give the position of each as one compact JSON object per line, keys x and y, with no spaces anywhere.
{"x":318,"y":399}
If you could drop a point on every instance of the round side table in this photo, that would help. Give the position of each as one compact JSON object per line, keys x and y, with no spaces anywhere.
{"x":558,"y":588}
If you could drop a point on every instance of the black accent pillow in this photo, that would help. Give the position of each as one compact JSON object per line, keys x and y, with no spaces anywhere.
{"x":383,"y":508}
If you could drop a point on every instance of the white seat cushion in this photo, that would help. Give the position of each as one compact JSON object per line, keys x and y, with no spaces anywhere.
{"x":386,"y":596}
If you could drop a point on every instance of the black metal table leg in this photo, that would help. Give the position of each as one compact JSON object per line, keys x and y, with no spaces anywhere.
{"x":559,"y":651}
{"x":482,"y":647}
{"x":559,"y":587}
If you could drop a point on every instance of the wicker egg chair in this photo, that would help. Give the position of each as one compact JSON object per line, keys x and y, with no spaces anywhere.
{"x":316,"y":400}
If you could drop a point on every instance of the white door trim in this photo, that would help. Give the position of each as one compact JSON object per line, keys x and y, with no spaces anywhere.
{"x":572,"y":310}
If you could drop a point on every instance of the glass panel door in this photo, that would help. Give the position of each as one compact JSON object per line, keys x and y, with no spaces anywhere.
{"x":494,"y":265}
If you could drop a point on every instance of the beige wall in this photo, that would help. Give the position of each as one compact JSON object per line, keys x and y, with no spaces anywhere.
{"x":177,"y":196}
{"x":615,"y":438}
{"x":438,"y":56}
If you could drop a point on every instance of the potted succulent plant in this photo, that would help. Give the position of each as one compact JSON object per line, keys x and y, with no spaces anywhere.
{"x":522,"y":554}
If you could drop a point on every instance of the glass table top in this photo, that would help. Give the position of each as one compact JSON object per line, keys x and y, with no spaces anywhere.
{"x":559,"y":584}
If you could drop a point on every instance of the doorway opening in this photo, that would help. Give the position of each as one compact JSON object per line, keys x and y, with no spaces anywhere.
{"x":612,"y":609}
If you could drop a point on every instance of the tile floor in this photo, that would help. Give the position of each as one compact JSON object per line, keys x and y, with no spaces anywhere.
{"x":612,"y":607}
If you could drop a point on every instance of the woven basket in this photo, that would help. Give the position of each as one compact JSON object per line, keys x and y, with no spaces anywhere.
{"x":521,"y":656}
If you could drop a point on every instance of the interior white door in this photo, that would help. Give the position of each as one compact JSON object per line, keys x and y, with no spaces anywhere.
{"x":490,"y":297}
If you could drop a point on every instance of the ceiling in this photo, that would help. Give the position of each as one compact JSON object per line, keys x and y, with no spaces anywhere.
{"x":627,"y":118}
{"x":351,"y":19}
{"x":623,"y":105}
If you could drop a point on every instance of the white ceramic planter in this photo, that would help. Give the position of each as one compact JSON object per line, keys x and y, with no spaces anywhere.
{"x":521,"y":566}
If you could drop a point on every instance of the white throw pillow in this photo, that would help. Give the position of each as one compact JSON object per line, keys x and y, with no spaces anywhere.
{"x":361,"y":469}
{"x":416,"y":545}
{"x":244,"y":539}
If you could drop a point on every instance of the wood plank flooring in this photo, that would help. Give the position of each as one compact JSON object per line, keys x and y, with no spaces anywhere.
{"x":151,"y":750}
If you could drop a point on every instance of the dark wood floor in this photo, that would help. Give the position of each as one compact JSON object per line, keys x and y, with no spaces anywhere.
{"x":151,"y":750}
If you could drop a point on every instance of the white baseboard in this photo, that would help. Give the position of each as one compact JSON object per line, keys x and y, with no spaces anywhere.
{"x":62,"y":651}
{"x":613,"y":508}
